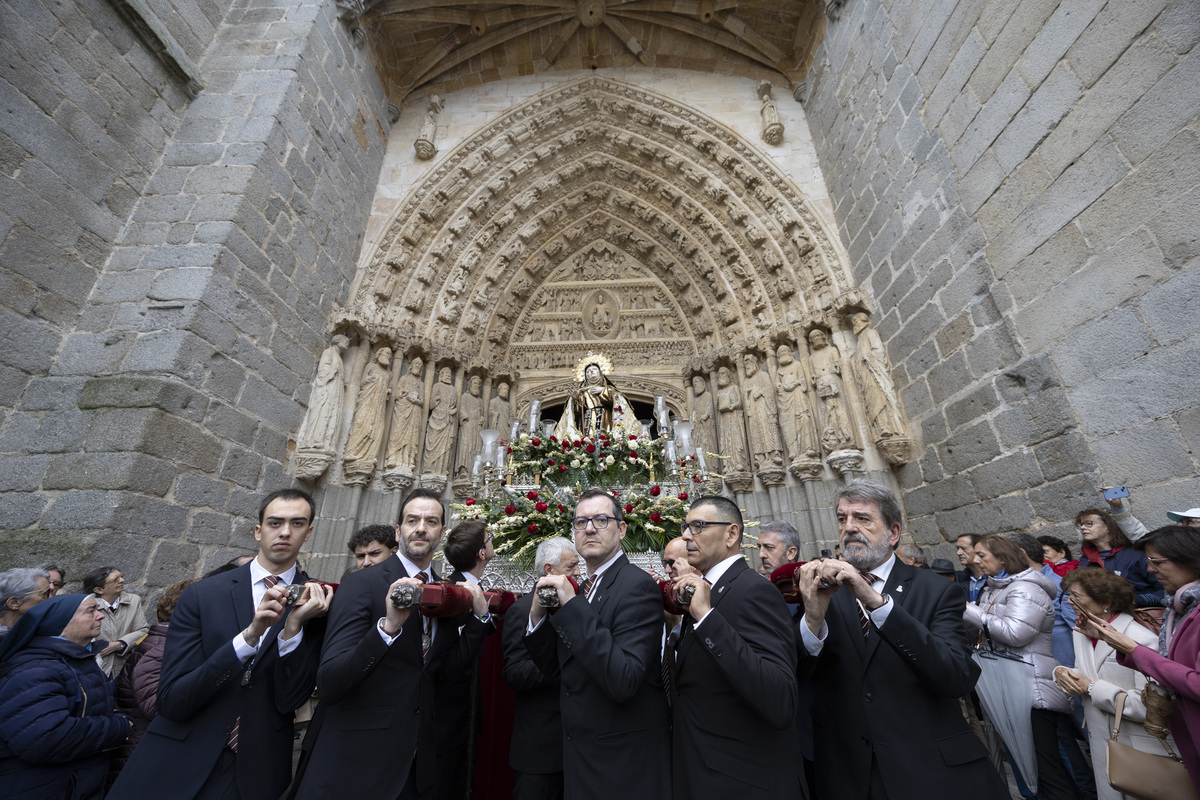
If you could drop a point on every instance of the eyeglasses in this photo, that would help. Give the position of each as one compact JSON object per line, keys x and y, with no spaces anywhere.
{"x":490,"y":536}
{"x":696,"y":526}
{"x":601,"y":522}
{"x":118,"y":579}
{"x":1156,"y":561}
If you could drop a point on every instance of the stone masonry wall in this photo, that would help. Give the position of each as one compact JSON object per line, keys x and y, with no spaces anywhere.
{"x":155,"y":410}
{"x":1019,"y":183}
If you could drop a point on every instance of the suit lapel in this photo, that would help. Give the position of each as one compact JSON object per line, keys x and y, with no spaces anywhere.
{"x":242,"y":597}
{"x":897,"y":586}
{"x":847,"y":608}
{"x":606,"y":583}
{"x":721,"y":588}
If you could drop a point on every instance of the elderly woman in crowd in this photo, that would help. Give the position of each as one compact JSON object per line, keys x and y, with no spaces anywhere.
{"x":1173,"y":554}
{"x":56,"y":706}
{"x":1097,"y":676}
{"x":21,"y":590}
{"x":1106,"y":545}
{"x":1016,"y":612}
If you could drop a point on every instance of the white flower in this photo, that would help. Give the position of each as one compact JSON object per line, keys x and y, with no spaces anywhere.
{"x":574,"y":463}
{"x":610,"y":460}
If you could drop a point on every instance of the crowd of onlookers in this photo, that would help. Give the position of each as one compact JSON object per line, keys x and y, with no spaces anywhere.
{"x":1110,"y":629}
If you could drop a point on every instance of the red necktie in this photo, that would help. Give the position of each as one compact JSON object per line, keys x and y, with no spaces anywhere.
{"x":586,"y":588}
{"x":270,"y":581}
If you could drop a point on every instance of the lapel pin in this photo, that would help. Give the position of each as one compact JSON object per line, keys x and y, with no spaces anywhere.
{"x":899,"y":588}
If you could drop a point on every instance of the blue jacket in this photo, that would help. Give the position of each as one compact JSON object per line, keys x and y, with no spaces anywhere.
{"x":1130,"y":564}
{"x":56,"y":722}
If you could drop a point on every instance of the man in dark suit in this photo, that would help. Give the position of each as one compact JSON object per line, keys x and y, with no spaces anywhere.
{"x":885,"y":644}
{"x":607,"y":644}
{"x":237,"y":663}
{"x":378,"y":670}
{"x":971,"y":576}
{"x":469,"y":550}
{"x":536,"y":750}
{"x":735,"y":676}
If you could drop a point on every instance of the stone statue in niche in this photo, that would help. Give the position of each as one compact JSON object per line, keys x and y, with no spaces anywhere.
{"x":424,"y":145}
{"x":795,"y":411}
{"x":875,"y":382}
{"x":762,"y":414}
{"x":370,"y":414}
{"x":704,"y":428}
{"x":731,"y":429}
{"x":439,"y":433}
{"x":404,"y":441}
{"x":500,"y":414}
{"x":827,"y":380}
{"x":316,"y":441}
{"x":470,"y":423}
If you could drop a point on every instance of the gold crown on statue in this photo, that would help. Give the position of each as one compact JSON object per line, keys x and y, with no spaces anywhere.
{"x":599,"y":359}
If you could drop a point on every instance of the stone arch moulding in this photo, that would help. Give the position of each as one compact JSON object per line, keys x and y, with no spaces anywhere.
{"x":602,"y":216}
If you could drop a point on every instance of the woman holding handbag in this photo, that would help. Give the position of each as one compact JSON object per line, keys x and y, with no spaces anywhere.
{"x":1016,"y":612}
{"x":1173,"y":555}
{"x":1098,"y":678}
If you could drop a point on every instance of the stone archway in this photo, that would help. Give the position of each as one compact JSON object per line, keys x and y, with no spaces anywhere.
{"x":599,"y":216}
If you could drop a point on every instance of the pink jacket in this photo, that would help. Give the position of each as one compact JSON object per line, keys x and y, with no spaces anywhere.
{"x":1179,"y":672}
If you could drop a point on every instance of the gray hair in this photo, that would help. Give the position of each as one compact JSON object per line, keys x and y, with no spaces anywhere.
{"x":19,"y":583}
{"x":912,"y":551}
{"x":864,"y":491}
{"x":785,"y":530}
{"x":550,"y":552}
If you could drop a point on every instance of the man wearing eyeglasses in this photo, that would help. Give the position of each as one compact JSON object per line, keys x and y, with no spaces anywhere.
{"x":735,"y":675}
{"x":605,"y":643}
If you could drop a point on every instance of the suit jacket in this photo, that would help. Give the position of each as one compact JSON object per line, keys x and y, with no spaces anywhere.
{"x":537,"y":739}
{"x":373,"y":695}
{"x":735,"y":709}
{"x":453,"y":695}
{"x":203,"y":689}
{"x":616,"y":724}
{"x":895,"y":696}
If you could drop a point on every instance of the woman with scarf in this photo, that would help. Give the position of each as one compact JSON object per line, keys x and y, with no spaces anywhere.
{"x":1098,"y":678}
{"x":56,"y":705}
{"x":1173,"y":554}
{"x":1106,"y":544}
{"x":1016,"y":613}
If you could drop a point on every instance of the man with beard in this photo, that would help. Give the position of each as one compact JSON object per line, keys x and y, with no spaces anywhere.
{"x":884,"y":643}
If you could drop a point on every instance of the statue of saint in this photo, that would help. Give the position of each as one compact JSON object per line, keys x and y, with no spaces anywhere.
{"x":595,"y":405}
{"x":704,"y":427}
{"x":500,"y":416}
{"x":404,"y":442}
{"x":369,"y":414}
{"x":470,"y":423}
{"x":827,"y":380}
{"x":439,"y":433}
{"x":795,"y":413}
{"x":730,"y":427}
{"x":319,"y":430}
{"x":878,"y":391}
{"x":763,"y":415}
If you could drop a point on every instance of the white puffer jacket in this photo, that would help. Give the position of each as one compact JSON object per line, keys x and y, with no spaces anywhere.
{"x":1018,"y":611}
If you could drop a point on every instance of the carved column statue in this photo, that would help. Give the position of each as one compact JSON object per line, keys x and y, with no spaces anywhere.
{"x":704,"y":423}
{"x":884,"y":415}
{"x":404,"y":441}
{"x":732,"y":432}
{"x":500,"y":413}
{"x":425,"y":144}
{"x":439,"y":433}
{"x":772,"y":128}
{"x":827,"y":380}
{"x":316,"y":441}
{"x":762,"y":414}
{"x":796,"y":416}
{"x":470,"y":423}
{"x":370,"y":416}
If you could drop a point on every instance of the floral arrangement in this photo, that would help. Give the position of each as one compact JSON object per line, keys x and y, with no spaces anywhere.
{"x":543,"y":478}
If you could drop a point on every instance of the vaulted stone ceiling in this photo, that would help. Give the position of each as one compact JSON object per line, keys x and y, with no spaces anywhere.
{"x":438,"y":46}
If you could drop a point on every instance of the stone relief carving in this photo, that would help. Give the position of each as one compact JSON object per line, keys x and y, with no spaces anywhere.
{"x":772,"y":128}
{"x":370,"y":416}
{"x":404,"y":441}
{"x":439,"y":432}
{"x":316,"y":441}
{"x":704,"y":423}
{"x":732,"y":432}
{"x":500,"y":413}
{"x":883,"y":412}
{"x":762,"y":416}
{"x":796,"y":412}
{"x":425,"y":145}
{"x":827,"y":380}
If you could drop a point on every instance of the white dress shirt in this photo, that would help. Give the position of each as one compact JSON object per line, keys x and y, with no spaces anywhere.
{"x":815,"y":643}
{"x":712,"y":576}
{"x":412,"y":570}
{"x":258,"y":589}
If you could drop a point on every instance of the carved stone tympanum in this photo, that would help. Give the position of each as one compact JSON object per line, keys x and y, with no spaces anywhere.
{"x":316,"y":441}
{"x":362,"y":448}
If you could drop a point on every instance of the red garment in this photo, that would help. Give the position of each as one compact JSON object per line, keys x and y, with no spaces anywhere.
{"x":1063,"y":567}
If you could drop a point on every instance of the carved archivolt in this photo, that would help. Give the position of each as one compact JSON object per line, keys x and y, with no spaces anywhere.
{"x":602,"y":217}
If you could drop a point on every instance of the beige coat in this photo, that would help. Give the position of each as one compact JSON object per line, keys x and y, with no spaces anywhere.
{"x":128,"y":624}
{"x":1110,"y":678}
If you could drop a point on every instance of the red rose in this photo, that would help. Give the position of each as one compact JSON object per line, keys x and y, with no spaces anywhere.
{"x":549,"y":462}
{"x":591,"y":448}
{"x":470,"y":501}
{"x":553,"y":438}
{"x":629,"y":508}
{"x":533,"y":527}
{"x":579,"y":443}
{"x":532,"y":495}
{"x":535,"y":441}
{"x":633,"y":456}
{"x":615,"y":493}
{"x":655,"y":491}
{"x":510,"y":510}
{"x":562,"y":467}
{"x":632,"y":437}
{"x":696,"y":478}
{"x":656,"y":517}
{"x":561,"y":509}
{"x":683,"y":495}
{"x":540,"y":507}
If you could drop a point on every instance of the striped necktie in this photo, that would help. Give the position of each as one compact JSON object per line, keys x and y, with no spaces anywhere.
{"x":271,"y":581}
{"x":863,"y":619}
{"x":586,"y":588}
{"x":427,"y":629}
